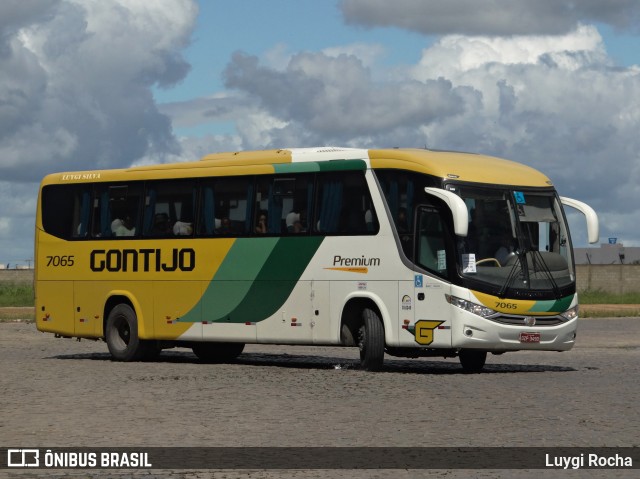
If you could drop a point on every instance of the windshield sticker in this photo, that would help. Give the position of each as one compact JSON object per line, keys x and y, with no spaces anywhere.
{"x":519,"y":196}
{"x":442,"y":260}
{"x":469,"y":263}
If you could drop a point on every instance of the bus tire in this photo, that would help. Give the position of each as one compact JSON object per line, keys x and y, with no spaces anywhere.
{"x":121,"y":334}
{"x":217,"y":352}
{"x":472,"y":360}
{"x":371,"y":341}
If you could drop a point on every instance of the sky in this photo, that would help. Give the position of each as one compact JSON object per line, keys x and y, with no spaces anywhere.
{"x":92,"y":84}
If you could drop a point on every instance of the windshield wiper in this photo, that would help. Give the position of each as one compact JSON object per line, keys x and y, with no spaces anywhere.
{"x":515,"y":269}
{"x":538,"y":261}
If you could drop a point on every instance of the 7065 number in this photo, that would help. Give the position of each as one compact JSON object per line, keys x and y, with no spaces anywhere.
{"x":60,"y":260}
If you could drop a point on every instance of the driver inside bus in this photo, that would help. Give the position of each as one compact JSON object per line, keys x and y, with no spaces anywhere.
{"x":506,"y":248}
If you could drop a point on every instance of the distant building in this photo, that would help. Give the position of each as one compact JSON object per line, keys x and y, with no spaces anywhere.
{"x":608,"y":253}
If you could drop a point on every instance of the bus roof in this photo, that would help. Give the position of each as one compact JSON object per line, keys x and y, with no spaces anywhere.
{"x":468,"y":167}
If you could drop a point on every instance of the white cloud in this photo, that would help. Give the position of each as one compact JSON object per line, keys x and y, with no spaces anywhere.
{"x":367,"y":54}
{"x":333,"y":99}
{"x":453,"y":55}
{"x":77,"y":88}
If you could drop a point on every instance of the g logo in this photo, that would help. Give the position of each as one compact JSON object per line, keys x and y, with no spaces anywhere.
{"x":424,"y":331}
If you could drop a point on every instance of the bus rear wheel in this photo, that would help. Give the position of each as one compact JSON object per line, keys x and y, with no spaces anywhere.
{"x":217,"y":352}
{"x":472,"y":360}
{"x":121,"y":334}
{"x":371,"y":341}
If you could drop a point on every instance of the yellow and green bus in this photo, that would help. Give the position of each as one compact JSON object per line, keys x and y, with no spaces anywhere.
{"x":406,"y":252}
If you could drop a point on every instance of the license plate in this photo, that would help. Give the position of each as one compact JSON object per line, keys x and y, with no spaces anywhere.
{"x":527,"y":337}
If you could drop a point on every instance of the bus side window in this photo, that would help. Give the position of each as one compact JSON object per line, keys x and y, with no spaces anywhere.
{"x":66,"y":210}
{"x":226,"y":206}
{"x":268,"y":207}
{"x":344,"y":205}
{"x":402,"y":190}
{"x":297,"y":205}
{"x":284,"y":203}
{"x":116,"y":210}
{"x":169,"y":208}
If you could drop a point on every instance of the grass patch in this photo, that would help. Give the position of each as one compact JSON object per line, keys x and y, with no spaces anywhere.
{"x":609,"y":311}
{"x":600,"y":304}
{"x":16,"y":294}
{"x":602,"y":297}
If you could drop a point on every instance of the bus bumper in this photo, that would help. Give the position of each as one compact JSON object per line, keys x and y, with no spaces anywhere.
{"x":474,"y":332}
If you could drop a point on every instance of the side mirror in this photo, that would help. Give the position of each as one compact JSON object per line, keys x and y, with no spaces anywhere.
{"x":593,"y":227}
{"x":457,"y":207}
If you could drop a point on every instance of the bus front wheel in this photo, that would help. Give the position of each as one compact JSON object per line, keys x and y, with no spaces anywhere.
{"x":121,"y":334}
{"x":371,"y":341}
{"x":472,"y":360}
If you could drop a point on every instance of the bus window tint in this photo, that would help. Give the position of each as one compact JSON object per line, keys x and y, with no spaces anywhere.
{"x":169,"y":208}
{"x":431,"y":244}
{"x":225,"y":210}
{"x":66,"y":210}
{"x":403,"y":192}
{"x":116,"y":210}
{"x":267,"y":209}
{"x":343,"y":205}
{"x":282,"y":204}
{"x":297,"y":198}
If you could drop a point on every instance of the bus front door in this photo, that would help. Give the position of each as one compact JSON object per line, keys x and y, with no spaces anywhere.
{"x":432,"y":327}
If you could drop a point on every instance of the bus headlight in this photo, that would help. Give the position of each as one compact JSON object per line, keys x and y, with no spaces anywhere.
{"x":570,"y":314}
{"x":474,"y":308}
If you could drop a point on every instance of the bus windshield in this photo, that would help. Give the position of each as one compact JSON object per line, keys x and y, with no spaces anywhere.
{"x":517,"y":240}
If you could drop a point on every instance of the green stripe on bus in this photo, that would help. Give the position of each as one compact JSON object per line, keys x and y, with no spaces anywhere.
{"x":232,"y":281}
{"x":343,"y":165}
{"x":560,"y":305}
{"x":313,"y":166}
{"x":255,"y":279}
{"x":276,"y":280}
{"x":307,"y":167}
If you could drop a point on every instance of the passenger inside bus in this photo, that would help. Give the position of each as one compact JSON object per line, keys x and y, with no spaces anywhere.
{"x":225,"y":226}
{"x":161,"y":225}
{"x":123,"y":227}
{"x":261,"y":222}
{"x":182,"y":228}
{"x":506,"y":247}
{"x":296,"y":222}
